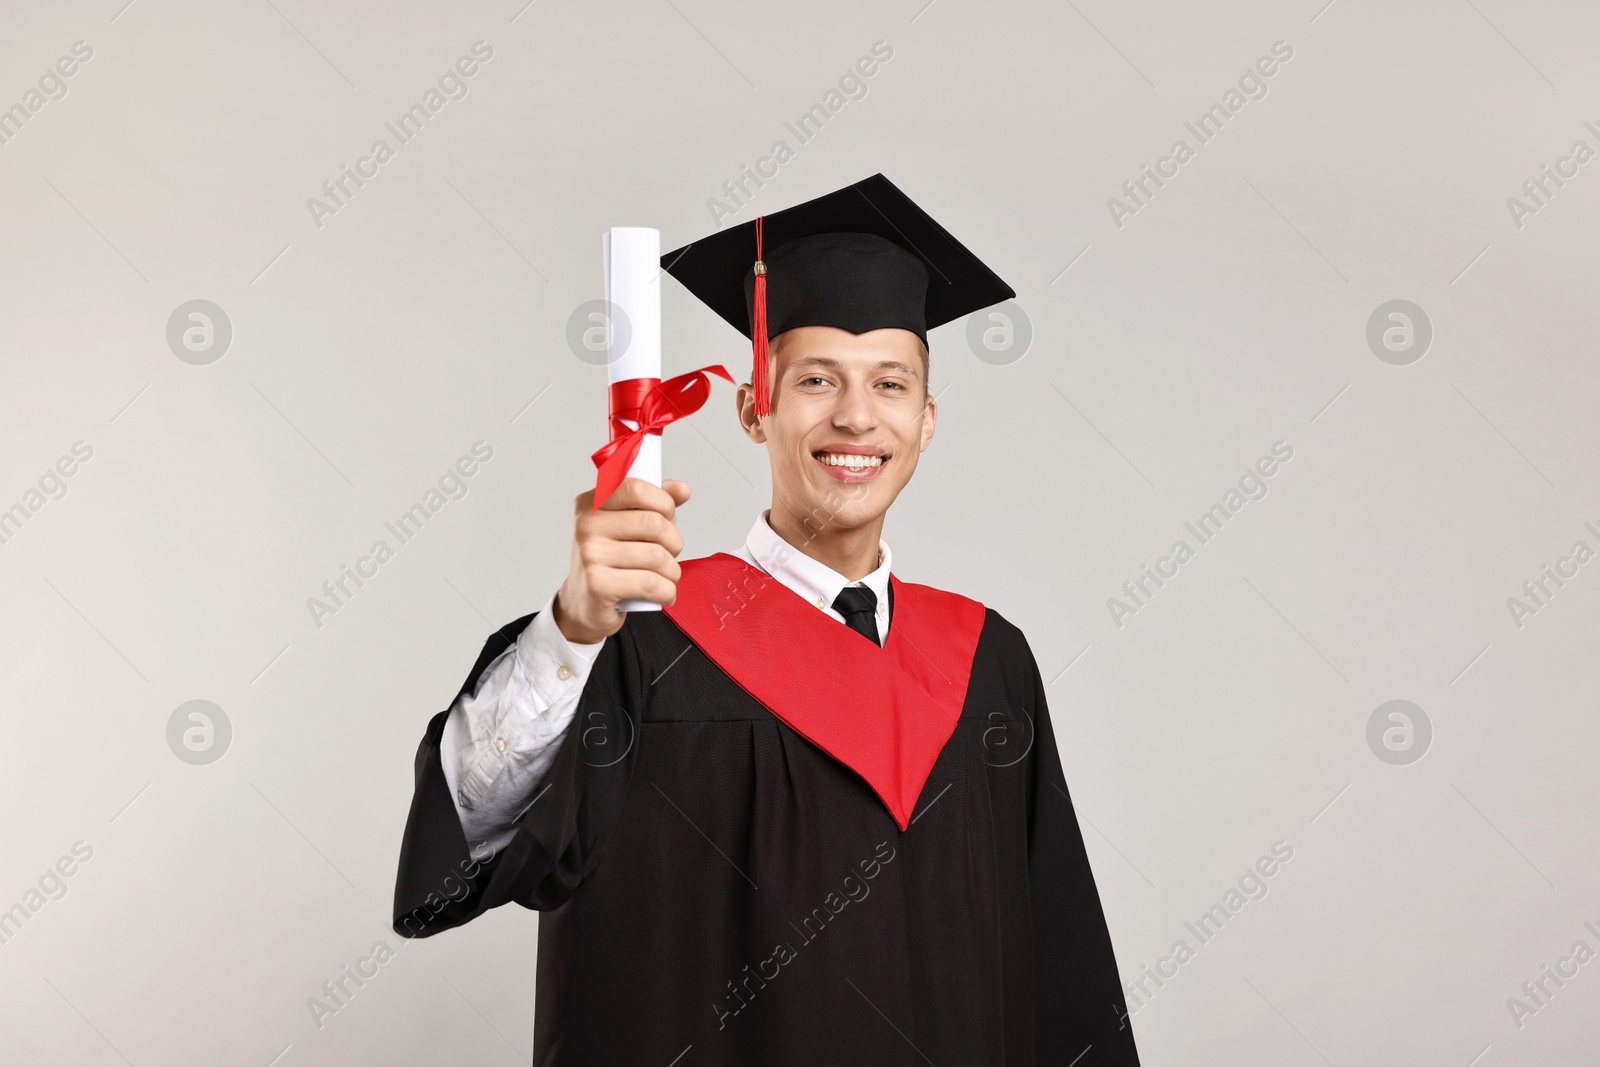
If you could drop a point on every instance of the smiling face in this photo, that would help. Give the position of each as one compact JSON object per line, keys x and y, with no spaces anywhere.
{"x":850,"y":414}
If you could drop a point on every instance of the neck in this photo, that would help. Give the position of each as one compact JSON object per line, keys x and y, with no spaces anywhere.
{"x":852,"y":552}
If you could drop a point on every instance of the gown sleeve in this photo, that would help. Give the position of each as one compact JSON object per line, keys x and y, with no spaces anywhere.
{"x":444,"y":881}
{"x":1080,"y":1005}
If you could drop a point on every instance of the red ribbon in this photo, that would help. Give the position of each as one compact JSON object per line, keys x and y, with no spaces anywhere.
{"x":652,"y":404}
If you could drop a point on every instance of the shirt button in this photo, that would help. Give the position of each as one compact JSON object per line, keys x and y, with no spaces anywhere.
{"x":563,"y":672}
{"x":822,"y":603}
{"x":882,"y":608}
{"x":500,"y":743}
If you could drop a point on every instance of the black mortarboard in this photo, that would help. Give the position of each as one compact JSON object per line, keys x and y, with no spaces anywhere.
{"x":862,"y":258}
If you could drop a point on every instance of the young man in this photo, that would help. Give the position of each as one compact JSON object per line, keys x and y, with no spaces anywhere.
{"x":808,"y":813}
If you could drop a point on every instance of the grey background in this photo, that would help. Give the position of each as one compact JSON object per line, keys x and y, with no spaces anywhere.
{"x":430,"y":312}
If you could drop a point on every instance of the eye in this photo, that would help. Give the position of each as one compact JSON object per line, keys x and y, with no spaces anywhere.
{"x":813,"y":378}
{"x":893,"y":385}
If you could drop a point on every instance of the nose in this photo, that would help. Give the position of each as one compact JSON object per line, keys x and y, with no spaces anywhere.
{"x":854,"y":411}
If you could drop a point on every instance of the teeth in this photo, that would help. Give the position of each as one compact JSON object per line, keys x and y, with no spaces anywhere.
{"x":840,"y":459}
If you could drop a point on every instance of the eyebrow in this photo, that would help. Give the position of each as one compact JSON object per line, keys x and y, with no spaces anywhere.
{"x":833,"y":364}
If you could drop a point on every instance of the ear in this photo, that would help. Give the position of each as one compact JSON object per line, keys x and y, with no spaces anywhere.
{"x":930,"y":414}
{"x":745,"y":401}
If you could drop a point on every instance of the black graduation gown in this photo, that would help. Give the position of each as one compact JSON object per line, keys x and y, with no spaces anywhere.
{"x":717,"y":890}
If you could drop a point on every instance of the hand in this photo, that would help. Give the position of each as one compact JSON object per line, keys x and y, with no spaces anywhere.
{"x":626,"y":549}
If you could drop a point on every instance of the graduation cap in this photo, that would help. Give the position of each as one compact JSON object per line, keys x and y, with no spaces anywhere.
{"x":862,"y":258}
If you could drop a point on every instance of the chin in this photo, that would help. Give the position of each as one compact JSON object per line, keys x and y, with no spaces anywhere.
{"x":850,"y":506}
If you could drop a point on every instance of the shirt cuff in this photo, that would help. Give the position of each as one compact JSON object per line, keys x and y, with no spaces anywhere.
{"x":521,"y":715}
{"x":553,"y":666}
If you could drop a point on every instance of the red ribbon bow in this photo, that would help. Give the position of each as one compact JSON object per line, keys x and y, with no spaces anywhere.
{"x":650,"y":403}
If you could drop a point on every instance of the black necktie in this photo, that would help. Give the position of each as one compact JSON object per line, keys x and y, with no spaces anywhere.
{"x":859,"y":606}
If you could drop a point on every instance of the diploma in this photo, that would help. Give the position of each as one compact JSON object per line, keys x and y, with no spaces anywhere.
{"x":632,"y":257}
{"x":639,"y":405}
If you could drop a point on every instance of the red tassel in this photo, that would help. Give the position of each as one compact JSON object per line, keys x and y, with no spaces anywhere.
{"x":758,"y":330}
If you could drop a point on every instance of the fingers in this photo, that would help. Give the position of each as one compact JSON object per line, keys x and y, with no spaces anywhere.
{"x":610,"y":586}
{"x":631,"y":555}
{"x":625,"y":550}
{"x":638,"y":493}
{"x":637,"y":525}
{"x":678,"y":489}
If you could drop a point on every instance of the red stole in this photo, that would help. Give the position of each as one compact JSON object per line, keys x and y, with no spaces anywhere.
{"x":883,"y":712}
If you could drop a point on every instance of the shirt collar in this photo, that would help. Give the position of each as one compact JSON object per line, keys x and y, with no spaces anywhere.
{"x":813,"y":581}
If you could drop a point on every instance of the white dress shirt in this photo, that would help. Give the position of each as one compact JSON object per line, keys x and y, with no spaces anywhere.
{"x":500,"y":739}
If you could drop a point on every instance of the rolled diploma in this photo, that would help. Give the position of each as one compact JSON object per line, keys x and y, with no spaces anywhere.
{"x":633,"y":285}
